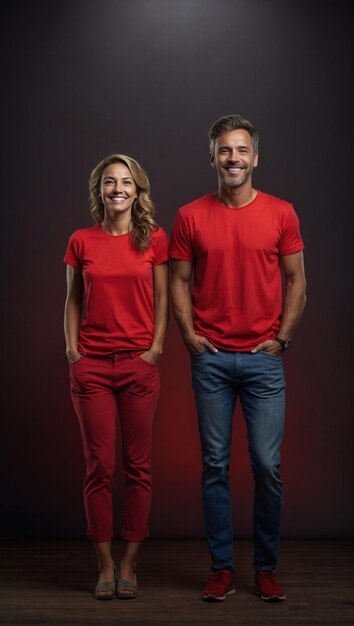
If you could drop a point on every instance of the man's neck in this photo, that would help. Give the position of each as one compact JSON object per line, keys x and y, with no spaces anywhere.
{"x":236,"y":197}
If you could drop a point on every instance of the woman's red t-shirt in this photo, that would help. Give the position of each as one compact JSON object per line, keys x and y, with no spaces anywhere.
{"x":119,"y":293}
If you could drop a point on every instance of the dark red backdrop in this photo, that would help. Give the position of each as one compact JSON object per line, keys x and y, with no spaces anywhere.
{"x":147,"y":78}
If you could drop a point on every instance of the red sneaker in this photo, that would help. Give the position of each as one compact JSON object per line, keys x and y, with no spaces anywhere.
{"x":221,"y":585}
{"x":267,"y":587}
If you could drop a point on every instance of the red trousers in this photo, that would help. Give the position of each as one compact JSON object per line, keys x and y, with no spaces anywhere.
{"x":101,"y":388}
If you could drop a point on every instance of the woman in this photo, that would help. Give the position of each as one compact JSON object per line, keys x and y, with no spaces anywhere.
{"x":115,"y":322}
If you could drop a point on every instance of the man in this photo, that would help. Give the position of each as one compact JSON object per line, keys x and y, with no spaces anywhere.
{"x":236,"y":326}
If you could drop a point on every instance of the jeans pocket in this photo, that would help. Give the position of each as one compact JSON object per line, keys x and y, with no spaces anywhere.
{"x":272,"y":356}
{"x":73,"y":363}
{"x":197,"y":354}
{"x":147,"y":362}
{"x":139,"y":357}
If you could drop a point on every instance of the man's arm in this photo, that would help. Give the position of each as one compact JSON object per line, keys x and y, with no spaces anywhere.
{"x":295,"y":295}
{"x":182,"y":306}
{"x":294,"y":301}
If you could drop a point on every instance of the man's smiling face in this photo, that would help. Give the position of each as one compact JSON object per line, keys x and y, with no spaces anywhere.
{"x":234,"y":157}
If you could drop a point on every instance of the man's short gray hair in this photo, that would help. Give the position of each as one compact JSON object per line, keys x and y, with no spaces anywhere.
{"x":232,"y":122}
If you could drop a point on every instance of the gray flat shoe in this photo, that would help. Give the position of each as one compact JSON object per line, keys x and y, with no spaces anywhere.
{"x":109,"y":586}
{"x":126,"y":589}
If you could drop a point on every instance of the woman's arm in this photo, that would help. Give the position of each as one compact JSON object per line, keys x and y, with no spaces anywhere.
{"x":160,"y":278}
{"x":73,"y":311}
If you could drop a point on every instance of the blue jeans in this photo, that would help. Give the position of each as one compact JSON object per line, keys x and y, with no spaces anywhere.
{"x":258,"y":379}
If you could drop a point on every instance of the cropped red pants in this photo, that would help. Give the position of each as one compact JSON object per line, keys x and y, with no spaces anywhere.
{"x":103,"y":388}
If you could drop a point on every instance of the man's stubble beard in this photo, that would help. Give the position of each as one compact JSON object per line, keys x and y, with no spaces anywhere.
{"x":231,"y":182}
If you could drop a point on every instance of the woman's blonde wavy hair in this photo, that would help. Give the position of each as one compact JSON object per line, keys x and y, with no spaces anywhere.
{"x":143,"y":209}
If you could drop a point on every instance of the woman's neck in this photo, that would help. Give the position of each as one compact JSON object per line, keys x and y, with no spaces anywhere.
{"x":117,"y":226}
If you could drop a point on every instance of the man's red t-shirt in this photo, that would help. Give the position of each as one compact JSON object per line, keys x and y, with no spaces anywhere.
{"x":119,"y":294}
{"x":237,"y":294}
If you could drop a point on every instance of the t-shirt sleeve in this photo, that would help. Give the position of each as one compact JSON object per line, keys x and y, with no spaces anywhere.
{"x":181,"y":243}
{"x":290,"y":241}
{"x":72,"y":254}
{"x":160,"y":247}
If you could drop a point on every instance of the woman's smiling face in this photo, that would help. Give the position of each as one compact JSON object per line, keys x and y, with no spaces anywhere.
{"x":117,"y":189}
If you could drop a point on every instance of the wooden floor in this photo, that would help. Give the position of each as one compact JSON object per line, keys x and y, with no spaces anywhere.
{"x":50,"y":583}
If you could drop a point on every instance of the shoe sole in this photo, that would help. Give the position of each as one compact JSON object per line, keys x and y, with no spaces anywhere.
{"x":269,"y":598}
{"x":210,"y":598}
{"x":104,"y":598}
